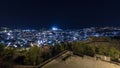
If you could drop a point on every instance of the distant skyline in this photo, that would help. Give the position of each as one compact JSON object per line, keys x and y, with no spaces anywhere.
{"x":38,"y":14}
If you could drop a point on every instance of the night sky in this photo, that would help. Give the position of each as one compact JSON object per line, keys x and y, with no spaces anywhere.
{"x":63,"y":14}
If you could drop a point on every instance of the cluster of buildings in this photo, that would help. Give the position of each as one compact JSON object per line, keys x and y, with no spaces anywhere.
{"x":26,"y":38}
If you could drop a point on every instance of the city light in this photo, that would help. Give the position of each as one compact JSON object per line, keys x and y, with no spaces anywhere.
{"x":54,"y":28}
{"x":23,"y":37}
{"x":8,"y":34}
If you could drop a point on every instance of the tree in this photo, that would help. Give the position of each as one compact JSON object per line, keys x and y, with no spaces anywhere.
{"x":102,"y":50}
{"x":114,"y":53}
{"x":1,"y":49}
{"x":89,"y":50}
{"x":79,"y":48}
{"x":33,"y":55}
{"x":6,"y":56}
{"x":9,"y":53}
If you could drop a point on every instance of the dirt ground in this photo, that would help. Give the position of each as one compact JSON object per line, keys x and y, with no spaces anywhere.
{"x":79,"y":62}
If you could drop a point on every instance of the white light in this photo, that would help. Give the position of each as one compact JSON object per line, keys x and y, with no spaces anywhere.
{"x":5,"y":31}
{"x":8,"y":34}
{"x":38,"y":42}
{"x":54,"y":28}
{"x":9,"y":44}
{"x":15,"y":46}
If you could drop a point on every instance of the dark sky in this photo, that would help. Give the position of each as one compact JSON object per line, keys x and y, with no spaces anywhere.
{"x":63,"y":14}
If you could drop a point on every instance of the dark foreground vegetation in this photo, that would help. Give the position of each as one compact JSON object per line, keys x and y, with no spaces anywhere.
{"x":35,"y":55}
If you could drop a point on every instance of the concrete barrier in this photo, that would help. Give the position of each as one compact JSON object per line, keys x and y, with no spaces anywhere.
{"x":102,"y":57}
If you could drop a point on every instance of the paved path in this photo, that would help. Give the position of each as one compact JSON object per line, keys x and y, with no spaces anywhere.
{"x":78,"y":62}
